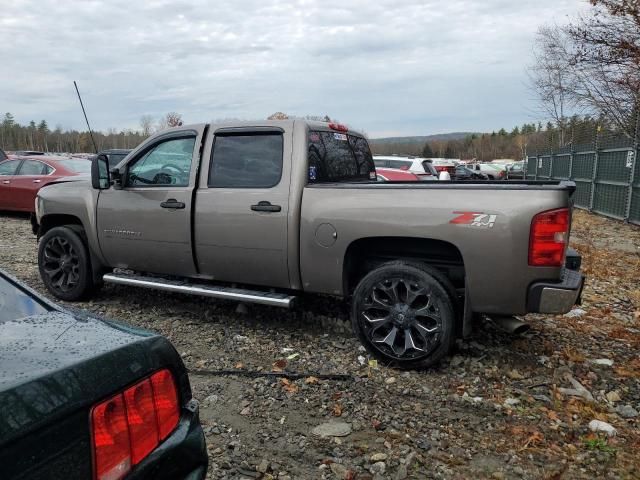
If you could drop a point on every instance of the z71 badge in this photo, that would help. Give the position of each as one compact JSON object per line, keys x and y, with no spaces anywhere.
{"x":474,"y":219}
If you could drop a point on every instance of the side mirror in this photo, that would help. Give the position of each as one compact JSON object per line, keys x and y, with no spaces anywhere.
{"x":116,"y":178}
{"x":100,"y":172}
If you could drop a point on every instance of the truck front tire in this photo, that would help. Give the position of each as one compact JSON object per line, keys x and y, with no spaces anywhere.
{"x":403,"y":315}
{"x":64,"y":264}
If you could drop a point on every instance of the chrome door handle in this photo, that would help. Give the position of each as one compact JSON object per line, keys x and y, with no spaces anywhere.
{"x":36,"y":181}
{"x":6,"y":182}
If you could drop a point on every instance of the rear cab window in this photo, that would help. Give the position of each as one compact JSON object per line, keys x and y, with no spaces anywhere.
{"x":339,"y":157}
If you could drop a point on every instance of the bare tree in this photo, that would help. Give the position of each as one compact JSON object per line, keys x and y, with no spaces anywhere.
{"x":174,"y":119}
{"x":593,"y":64}
{"x":278,"y":116}
{"x":551,"y":78}
{"x":146,"y":123}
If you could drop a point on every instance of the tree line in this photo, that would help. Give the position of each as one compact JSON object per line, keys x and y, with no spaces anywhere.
{"x":515,"y":143}
{"x":40,"y":137}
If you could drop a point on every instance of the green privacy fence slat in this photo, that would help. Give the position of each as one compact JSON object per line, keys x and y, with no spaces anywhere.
{"x":611,"y":199}
{"x":531,"y":166}
{"x":612,"y":167}
{"x":583,"y":165}
{"x":583,"y":194}
{"x":544,"y":167}
{"x":560,"y":169}
{"x":634,"y":213}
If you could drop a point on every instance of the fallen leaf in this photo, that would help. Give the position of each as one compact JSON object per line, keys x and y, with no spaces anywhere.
{"x":311,"y":380}
{"x":239,"y":365}
{"x":289,"y":386}
{"x":337,"y":410}
{"x":534,"y":439}
{"x":279,"y":365}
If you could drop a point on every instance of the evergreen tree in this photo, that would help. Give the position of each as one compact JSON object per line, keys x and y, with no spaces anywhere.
{"x":427,"y":152}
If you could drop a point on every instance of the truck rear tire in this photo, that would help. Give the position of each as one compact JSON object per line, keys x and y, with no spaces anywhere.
{"x":64,"y":264}
{"x":403,"y":315}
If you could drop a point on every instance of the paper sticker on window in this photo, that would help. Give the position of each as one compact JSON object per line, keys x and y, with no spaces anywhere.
{"x":372,"y":175}
{"x":312,"y":173}
{"x":340,"y":136}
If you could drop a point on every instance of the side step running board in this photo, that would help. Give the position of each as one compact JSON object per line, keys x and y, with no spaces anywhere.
{"x":214,"y":291}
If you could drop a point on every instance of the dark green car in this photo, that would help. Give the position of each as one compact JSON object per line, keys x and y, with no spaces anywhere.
{"x":83,"y":397}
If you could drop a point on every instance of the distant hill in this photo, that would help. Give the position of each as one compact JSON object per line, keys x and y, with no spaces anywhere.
{"x":422,"y":139}
{"x":411,"y":145}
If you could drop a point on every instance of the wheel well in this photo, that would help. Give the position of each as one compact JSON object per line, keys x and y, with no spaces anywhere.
{"x":58,"y":220}
{"x":365,"y":254}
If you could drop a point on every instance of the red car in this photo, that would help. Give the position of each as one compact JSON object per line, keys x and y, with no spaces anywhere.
{"x":21,"y":178}
{"x":395,"y":175}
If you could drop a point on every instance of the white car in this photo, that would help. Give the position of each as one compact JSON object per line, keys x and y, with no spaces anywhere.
{"x":419,"y":166}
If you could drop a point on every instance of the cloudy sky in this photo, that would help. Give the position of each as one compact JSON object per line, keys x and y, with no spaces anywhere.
{"x":389,"y":67}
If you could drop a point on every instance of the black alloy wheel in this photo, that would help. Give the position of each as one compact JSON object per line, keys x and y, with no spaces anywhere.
{"x":64,"y":266}
{"x":403,"y":315}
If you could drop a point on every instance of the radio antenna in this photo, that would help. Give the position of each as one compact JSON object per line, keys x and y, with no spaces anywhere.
{"x":85,"y":117}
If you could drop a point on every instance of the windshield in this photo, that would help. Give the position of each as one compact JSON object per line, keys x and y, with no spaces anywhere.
{"x":76,"y":166}
{"x":16,"y":303}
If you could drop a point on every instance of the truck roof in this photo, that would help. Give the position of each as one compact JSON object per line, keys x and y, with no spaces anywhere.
{"x":311,"y":124}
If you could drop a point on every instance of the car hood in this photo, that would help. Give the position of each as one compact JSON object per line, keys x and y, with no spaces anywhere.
{"x":59,"y":362}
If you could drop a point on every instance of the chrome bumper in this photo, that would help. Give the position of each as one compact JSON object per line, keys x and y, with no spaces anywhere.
{"x":559,"y":297}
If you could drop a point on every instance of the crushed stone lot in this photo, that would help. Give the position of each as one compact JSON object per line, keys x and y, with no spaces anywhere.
{"x":500,"y":407}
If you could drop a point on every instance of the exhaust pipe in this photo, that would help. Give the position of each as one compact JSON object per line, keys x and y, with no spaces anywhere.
{"x":511,"y":325}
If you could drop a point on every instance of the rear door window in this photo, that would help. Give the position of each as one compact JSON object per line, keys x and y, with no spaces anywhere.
{"x":9,"y":167}
{"x":31,"y":167}
{"x":339,"y":157}
{"x":246,"y":160}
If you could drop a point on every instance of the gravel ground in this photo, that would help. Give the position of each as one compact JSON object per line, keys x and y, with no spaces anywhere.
{"x":500,"y":407}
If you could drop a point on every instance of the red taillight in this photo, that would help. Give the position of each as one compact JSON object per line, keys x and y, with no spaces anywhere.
{"x":112,"y":450}
{"x":141,"y":416}
{"x":549,"y":237}
{"x":338,"y":127}
{"x":127,"y":427}
{"x":166,"y":402}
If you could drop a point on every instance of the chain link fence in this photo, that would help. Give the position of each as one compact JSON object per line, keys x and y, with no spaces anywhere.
{"x":602,"y":162}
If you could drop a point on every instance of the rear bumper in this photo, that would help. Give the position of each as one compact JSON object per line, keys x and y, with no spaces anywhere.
{"x":556,"y":297}
{"x":183,"y":455}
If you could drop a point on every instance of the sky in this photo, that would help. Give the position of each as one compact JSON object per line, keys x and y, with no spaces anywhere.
{"x":387,"y":67}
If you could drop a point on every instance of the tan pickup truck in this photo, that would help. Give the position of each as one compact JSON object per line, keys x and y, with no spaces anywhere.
{"x":268,"y":212}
